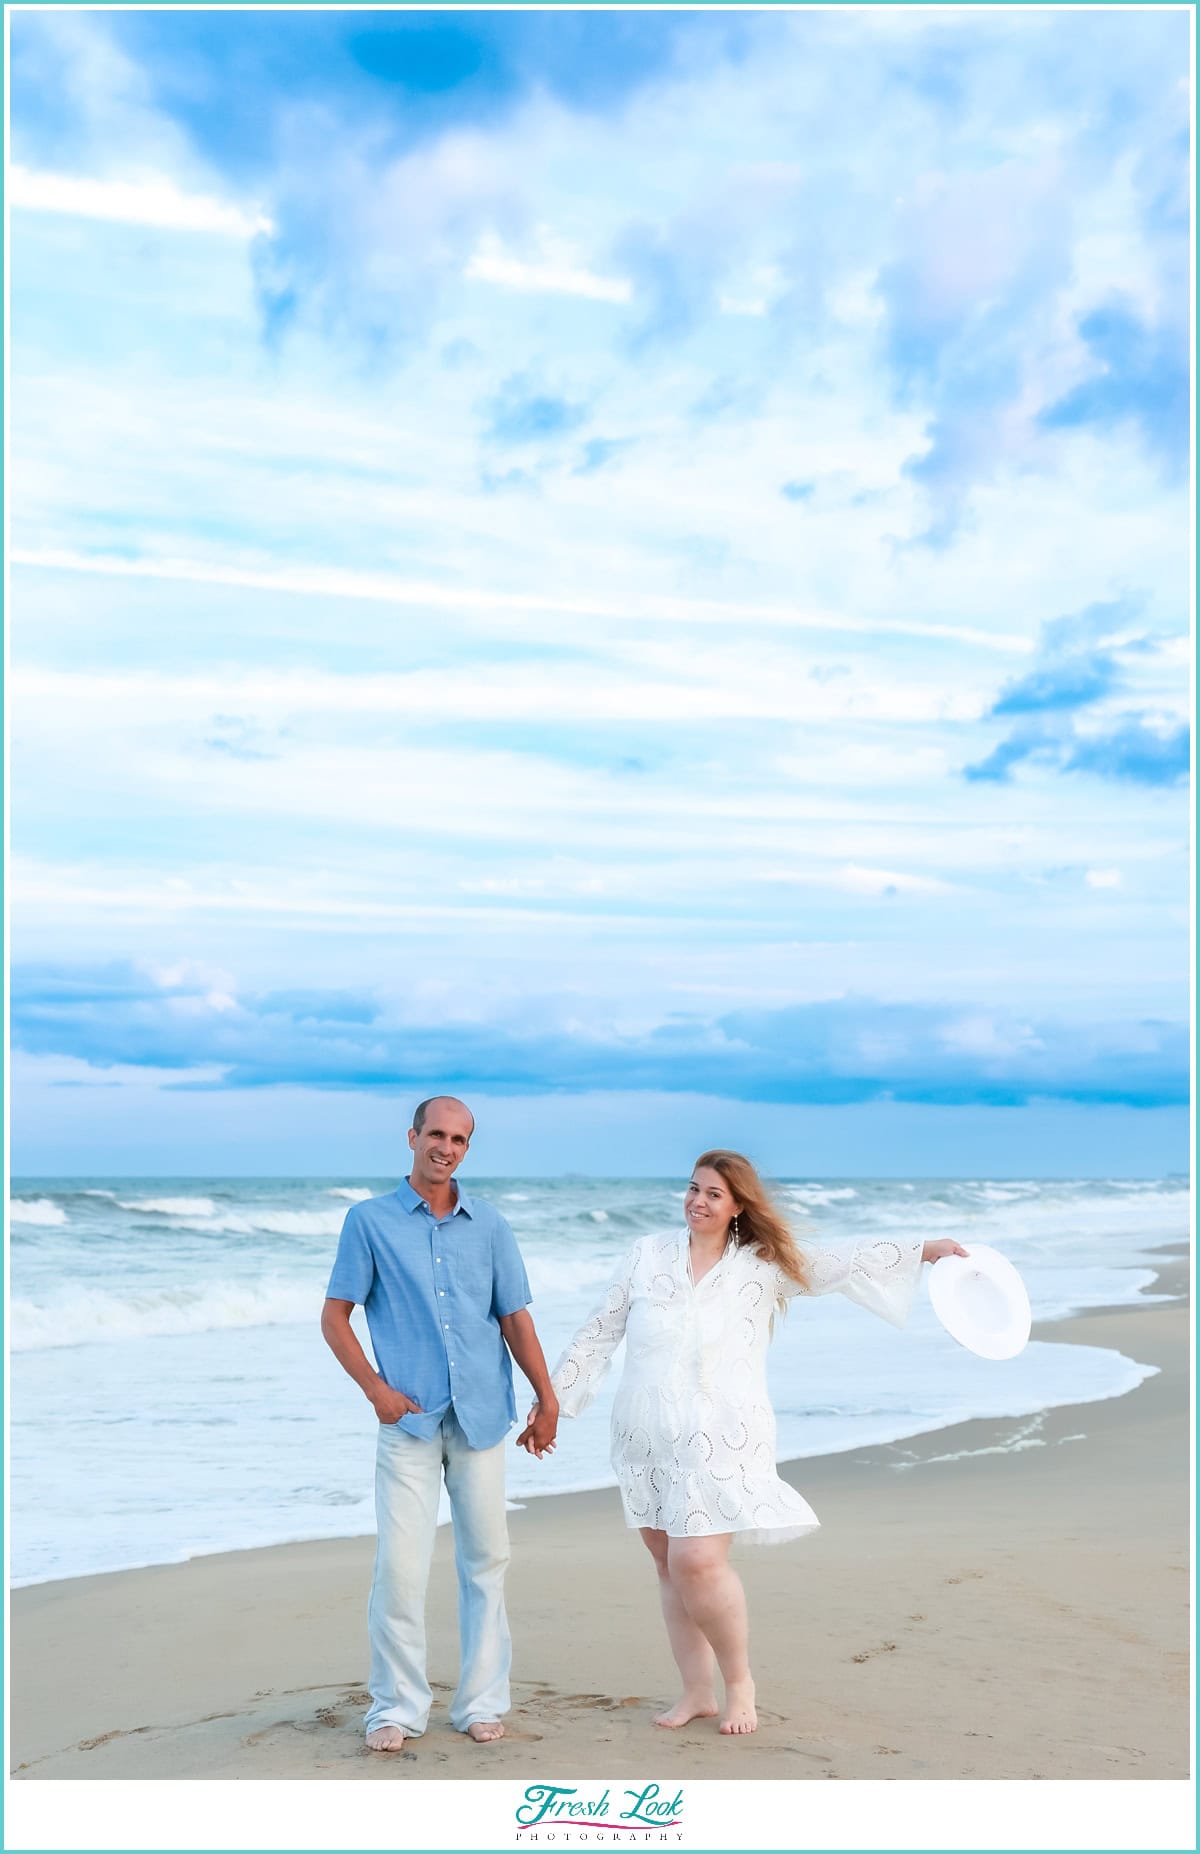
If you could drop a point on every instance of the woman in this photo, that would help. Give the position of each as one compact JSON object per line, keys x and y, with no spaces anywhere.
{"x":693,"y":1432}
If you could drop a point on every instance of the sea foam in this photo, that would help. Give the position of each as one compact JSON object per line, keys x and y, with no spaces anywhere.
{"x":76,"y":1317}
{"x":39,"y":1211}
{"x":169,"y":1206}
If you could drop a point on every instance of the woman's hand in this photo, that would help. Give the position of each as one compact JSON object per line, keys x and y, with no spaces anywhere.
{"x":943,"y":1245}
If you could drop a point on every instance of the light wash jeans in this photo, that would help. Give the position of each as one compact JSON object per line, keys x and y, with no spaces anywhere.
{"x":408,"y":1479}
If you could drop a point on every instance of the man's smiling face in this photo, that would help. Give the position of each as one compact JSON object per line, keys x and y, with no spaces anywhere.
{"x":441,"y":1144}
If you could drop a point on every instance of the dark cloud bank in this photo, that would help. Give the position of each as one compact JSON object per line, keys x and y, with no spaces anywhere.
{"x":846,"y":1050}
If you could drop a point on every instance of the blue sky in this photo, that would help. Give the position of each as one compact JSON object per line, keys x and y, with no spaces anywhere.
{"x":633,"y":564}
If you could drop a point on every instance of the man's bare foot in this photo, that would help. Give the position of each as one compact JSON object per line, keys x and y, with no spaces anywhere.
{"x":740,"y":1715}
{"x":385,"y":1738}
{"x":691,"y":1706}
{"x":484,"y":1730}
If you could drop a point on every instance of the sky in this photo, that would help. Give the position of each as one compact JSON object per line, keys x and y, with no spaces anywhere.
{"x":633,"y":565}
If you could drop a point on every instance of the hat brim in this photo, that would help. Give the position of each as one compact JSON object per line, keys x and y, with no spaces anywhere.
{"x":982,"y":1302}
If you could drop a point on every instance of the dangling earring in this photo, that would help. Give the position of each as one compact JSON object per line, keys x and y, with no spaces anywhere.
{"x":735,"y":1227}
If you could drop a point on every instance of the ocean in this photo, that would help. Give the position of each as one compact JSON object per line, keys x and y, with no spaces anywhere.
{"x":171,"y":1394}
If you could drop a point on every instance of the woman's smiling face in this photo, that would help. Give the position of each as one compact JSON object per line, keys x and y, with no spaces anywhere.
{"x":708,"y":1203}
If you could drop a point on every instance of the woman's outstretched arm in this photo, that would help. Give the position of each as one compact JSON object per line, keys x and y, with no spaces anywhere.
{"x":880,"y":1273}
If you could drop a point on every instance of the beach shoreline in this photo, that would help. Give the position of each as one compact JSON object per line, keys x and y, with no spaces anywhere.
{"x":997,"y":1598}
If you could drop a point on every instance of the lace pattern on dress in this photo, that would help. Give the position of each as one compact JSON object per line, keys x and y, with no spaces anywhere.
{"x":693,"y":1432}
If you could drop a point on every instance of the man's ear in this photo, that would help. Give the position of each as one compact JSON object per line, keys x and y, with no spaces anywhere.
{"x":412,"y":1139}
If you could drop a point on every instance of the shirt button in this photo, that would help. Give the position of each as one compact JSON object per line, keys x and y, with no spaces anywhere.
{"x":442,"y":1292}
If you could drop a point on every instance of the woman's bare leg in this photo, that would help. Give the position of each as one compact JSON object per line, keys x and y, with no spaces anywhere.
{"x":712,"y":1594}
{"x":693,"y":1655}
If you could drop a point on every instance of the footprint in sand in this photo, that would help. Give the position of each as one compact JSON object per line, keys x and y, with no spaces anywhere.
{"x":131,"y":1731}
{"x":868,"y":1654}
{"x":324,"y":1719}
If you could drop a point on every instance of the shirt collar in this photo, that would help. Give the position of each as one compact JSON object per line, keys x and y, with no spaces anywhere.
{"x":411,"y":1200}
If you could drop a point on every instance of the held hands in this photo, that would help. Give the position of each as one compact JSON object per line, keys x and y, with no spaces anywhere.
{"x":537,"y":1438}
{"x":942,"y":1245}
{"x":390,"y":1405}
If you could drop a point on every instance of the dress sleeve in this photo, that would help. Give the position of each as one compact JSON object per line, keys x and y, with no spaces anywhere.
{"x":580,"y":1371}
{"x":879,"y":1273}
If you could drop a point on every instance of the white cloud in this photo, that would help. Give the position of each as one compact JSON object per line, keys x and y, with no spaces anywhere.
{"x":77,"y":1072}
{"x":1104,"y":878}
{"x":715,"y":686}
{"x":391,"y":589}
{"x":552,"y":273}
{"x":142,"y":895}
{"x":851,"y":879}
{"x":983,"y":1036}
{"x":151,"y":200}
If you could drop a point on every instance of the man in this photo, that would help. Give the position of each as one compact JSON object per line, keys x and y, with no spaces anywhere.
{"x":445,"y":1292}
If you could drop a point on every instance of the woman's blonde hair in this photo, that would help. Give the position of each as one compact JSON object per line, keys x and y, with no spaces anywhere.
{"x":759,"y":1223}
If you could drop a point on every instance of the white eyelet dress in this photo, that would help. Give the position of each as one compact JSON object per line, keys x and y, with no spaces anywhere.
{"x":693,"y":1431}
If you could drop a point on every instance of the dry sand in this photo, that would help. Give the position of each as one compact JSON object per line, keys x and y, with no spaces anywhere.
{"x":1007,"y":1615}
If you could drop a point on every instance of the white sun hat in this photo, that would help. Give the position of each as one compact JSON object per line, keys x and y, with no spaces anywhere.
{"x":982,"y":1302}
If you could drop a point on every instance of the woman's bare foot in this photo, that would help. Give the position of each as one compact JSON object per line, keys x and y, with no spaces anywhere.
{"x":385,"y":1738}
{"x":740,"y":1715}
{"x":484,"y":1730}
{"x":691,"y":1706}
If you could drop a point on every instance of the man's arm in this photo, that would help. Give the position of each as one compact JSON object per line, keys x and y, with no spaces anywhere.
{"x":520,"y":1336}
{"x":389,"y":1405}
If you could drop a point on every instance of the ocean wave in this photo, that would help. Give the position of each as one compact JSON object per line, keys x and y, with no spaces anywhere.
{"x":254,"y":1222}
{"x":821,"y":1194}
{"x":79,"y":1318}
{"x":38,"y":1210}
{"x":568,"y":1275}
{"x":353,"y":1194}
{"x":169,"y":1206}
{"x":1076,"y":1224}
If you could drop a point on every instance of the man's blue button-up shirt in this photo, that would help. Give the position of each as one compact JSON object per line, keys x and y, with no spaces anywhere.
{"x":435,"y":1291}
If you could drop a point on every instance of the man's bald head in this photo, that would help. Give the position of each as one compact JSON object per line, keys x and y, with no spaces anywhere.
{"x":439,"y":1100}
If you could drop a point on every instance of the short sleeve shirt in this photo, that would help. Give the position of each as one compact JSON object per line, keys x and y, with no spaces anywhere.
{"x":435,"y":1290}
